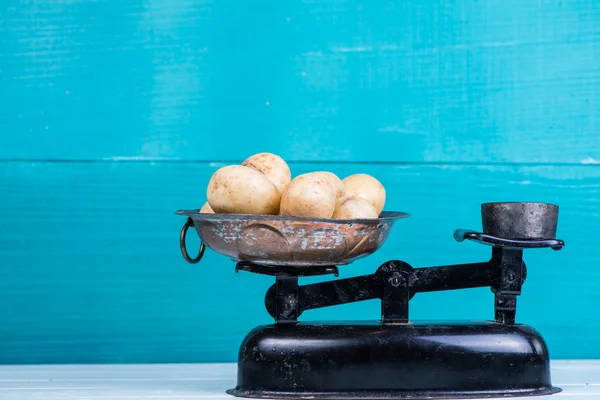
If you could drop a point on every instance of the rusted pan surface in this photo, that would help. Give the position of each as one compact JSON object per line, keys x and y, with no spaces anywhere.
{"x":292,"y":241}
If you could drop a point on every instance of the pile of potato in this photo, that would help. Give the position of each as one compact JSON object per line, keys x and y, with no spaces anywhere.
{"x":263,"y":184}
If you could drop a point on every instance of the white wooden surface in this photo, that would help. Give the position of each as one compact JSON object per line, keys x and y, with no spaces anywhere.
{"x":580,"y":380}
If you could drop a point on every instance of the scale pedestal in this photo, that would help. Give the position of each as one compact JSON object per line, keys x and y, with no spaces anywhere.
{"x":397,"y":358}
{"x":374,"y":360}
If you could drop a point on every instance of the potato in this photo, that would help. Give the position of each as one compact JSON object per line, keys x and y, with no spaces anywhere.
{"x":235,"y":189}
{"x":334,"y":180}
{"x":354,"y":207}
{"x":273,"y":167}
{"x":206,"y":209}
{"x":366,"y":187}
{"x":308,"y":195}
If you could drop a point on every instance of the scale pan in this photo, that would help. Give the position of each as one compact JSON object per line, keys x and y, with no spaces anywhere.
{"x":289,"y":241}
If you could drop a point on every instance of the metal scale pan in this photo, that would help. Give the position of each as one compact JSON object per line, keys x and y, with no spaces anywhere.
{"x":288,"y":241}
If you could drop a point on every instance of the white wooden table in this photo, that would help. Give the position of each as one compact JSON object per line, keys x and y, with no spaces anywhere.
{"x":580,"y":380}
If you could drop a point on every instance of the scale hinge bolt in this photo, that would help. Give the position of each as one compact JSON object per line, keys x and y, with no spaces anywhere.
{"x":396,"y":279}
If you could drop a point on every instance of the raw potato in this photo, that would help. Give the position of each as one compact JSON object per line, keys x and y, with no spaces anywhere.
{"x":273,"y":167}
{"x":308,"y":195}
{"x":206,"y":209}
{"x":354,"y":207}
{"x":334,"y":180}
{"x":242,"y":190}
{"x":366,"y":187}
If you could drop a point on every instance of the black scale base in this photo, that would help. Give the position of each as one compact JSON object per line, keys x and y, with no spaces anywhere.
{"x":372,"y":360}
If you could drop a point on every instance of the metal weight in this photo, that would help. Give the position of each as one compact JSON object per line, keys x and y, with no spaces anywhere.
{"x":520,"y":220}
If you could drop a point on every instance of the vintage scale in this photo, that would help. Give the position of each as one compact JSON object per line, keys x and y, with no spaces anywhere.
{"x":393,"y":357}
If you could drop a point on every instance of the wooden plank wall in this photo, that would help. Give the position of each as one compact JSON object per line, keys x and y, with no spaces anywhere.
{"x":115,"y":114}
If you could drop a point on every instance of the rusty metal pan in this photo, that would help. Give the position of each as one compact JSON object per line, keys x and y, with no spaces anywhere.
{"x":287,"y":241}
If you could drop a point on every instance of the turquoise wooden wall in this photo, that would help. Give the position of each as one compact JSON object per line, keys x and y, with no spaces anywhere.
{"x":115,"y":114}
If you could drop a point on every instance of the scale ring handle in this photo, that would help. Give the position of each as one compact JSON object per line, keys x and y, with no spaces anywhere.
{"x":184,"y":252}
